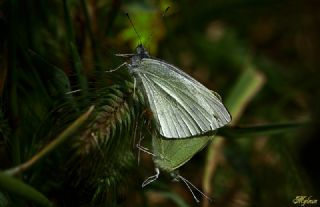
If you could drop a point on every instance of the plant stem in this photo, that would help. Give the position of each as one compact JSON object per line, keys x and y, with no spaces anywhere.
{"x":247,"y":86}
{"x":53,"y":145}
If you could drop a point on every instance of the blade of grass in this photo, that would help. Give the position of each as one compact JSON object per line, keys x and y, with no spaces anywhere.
{"x":248,"y":84}
{"x":37,"y":80}
{"x":92,"y":38}
{"x":21,"y":189}
{"x":53,"y":145}
{"x":267,"y":129}
{"x":76,"y":60}
{"x":3,"y":72}
{"x":61,"y":80}
{"x":12,"y":77}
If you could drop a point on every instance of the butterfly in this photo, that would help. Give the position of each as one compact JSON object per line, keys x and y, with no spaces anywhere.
{"x":169,"y":155}
{"x":181,"y":106}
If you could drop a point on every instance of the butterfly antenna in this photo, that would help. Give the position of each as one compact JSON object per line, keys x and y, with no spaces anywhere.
{"x":134,"y":28}
{"x":188,"y":184}
{"x":165,"y":11}
{"x":163,"y":15}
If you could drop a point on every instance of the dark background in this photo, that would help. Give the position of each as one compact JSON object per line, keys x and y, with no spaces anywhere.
{"x":44,"y":43}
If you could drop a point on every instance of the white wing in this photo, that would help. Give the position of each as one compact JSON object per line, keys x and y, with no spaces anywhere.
{"x":181,"y":106}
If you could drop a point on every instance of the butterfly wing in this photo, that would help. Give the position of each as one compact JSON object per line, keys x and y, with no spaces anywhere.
{"x":172,"y":154}
{"x":182,"y":107}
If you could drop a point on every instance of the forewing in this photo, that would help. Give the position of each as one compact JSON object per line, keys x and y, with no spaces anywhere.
{"x":182,"y":106}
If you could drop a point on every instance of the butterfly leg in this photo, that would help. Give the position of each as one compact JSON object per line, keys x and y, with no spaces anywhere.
{"x":151,"y":178}
{"x":125,"y":55}
{"x":117,"y":68}
{"x":144,"y":149}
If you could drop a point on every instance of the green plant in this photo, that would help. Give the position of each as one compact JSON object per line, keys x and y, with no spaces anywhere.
{"x":55,"y":149}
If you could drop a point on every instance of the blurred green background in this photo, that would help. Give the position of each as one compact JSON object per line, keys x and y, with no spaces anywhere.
{"x":53,"y":58}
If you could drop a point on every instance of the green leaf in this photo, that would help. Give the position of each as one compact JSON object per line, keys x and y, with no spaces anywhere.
{"x":21,"y":189}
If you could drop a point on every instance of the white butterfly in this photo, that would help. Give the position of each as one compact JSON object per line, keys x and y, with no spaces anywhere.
{"x":181,"y":106}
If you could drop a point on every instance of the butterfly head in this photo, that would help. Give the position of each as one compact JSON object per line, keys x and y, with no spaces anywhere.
{"x":142,"y":52}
